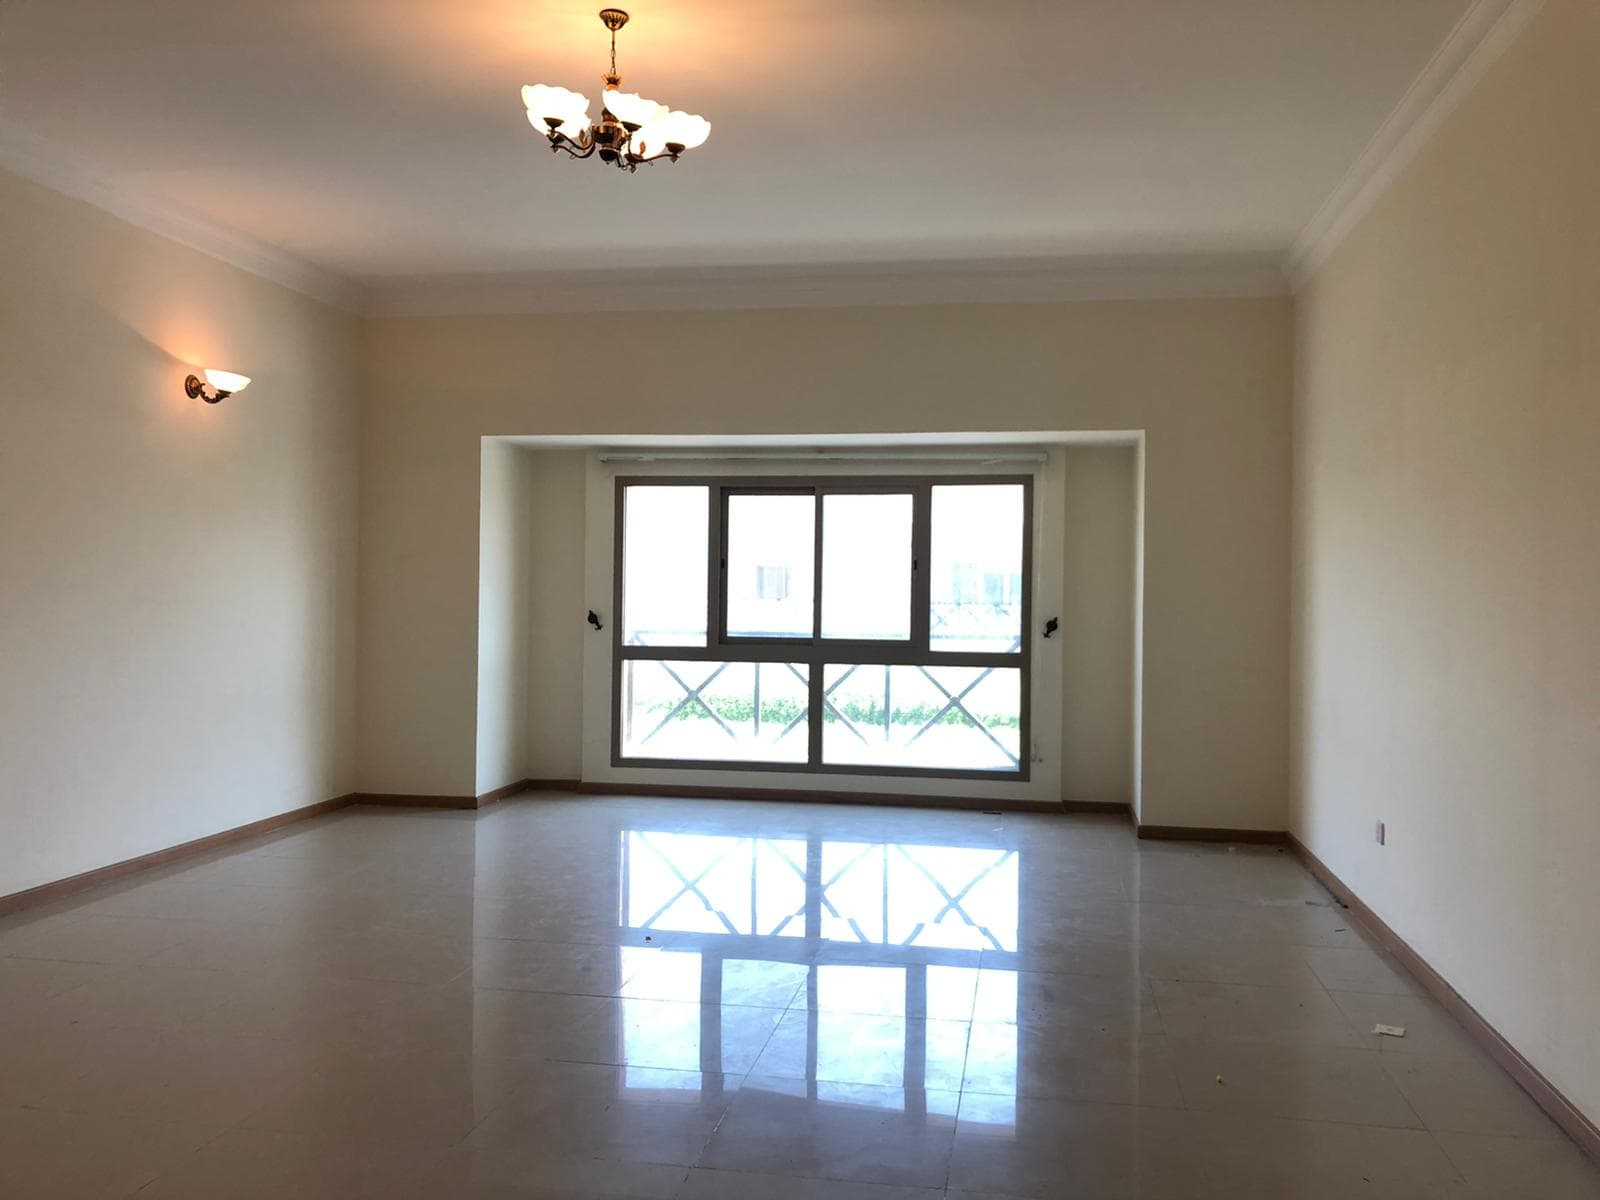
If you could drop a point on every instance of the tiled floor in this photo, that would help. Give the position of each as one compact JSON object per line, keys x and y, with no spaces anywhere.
{"x":648,"y":998}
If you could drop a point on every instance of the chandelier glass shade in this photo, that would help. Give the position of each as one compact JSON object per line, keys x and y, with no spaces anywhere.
{"x":631,"y":129}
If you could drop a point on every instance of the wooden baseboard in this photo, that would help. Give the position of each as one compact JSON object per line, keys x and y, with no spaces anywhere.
{"x":466,"y":803}
{"x":45,"y":893}
{"x":1544,"y":1093}
{"x":502,"y":793}
{"x":1203,"y":833}
{"x":1111,"y":808}
{"x":551,"y":785}
{"x":410,"y":800}
{"x":808,"y":795}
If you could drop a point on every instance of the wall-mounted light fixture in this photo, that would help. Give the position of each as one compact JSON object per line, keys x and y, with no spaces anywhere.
{"x":217,"y":385}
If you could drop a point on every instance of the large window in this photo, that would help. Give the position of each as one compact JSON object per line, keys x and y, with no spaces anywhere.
{"x":863,"y":626}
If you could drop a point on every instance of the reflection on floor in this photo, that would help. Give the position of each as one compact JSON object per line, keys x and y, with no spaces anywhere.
{"x":610,"y":997}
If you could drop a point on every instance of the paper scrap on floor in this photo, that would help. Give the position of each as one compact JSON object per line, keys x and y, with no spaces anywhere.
{"x":1390,"y":1030}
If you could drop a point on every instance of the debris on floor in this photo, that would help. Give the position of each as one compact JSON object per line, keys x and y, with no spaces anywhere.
{"x":1390,"y":1030}
{"x":1219,"y":1079}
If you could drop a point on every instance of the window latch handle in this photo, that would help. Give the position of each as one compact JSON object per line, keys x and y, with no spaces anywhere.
{"x":1051,"y":626}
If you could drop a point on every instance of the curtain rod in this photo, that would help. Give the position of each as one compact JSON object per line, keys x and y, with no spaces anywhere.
{"x":964,"y":456}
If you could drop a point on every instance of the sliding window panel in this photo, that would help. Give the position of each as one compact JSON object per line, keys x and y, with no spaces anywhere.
{"x":664,"y":558}
{"x":939,"y":718}
{"x":866,"y":566}
{"x":697,"y":711}
{"x":976,"y":575}
{"x":769,"y":565}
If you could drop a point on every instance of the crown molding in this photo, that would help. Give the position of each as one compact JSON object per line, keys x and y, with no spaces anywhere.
{"x":1476,"y":43}
{"x":48,"y":164}
{"x":837,"y":285}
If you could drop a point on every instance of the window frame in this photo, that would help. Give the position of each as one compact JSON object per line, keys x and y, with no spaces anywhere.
{"x":817,"y":652}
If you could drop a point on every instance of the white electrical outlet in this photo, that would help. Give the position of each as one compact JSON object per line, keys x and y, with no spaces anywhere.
{"x":1382,"y":834}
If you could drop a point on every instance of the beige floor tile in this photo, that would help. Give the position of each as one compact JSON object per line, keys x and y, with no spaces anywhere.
{"x":1029,"y":1147}
{"x":408,"y":1099}
{"x":146,"y":996}
{"x":1075,"y":1002}
{"x":686,"y":975}
{"x":741,"y":1185}
{"x":836,"y":1131}
{"x":1254,"y":964}
{"x":842,"y":1047}
{"x":105,"y":939}
{"x":467,"y":1174}
{"x":1463,"y":1095}
{"x":1311,"y":1160}
{"x":255,"y":1164}
{"x":624,"y":1114}
{"x":1361,"y":970}
{"x":456,"y":1018}
{"x":1430,"y":1031}
{"x":581,"y":969}
{"x":290,"y":1006}
{"x":1306,"y":1083}
{"x":1226,"y":1012}
{"x":243,"y":947}
{"x":38,"y":1061}
{"x":72,"y":1156}
{"x":23,"y":980}
{"x":168,"y":900}
{"x":673,"y":1035}
{"x":419,"y":1005}
{"x":19,"y":928}
{"x":1549,"y":1168}
{"x":1063,"y":1064}
{"x":204,"y":1082}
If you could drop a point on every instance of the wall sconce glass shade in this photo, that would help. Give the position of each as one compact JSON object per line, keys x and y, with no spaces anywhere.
{"x":227,"y":381}
{"x":220,"y":383}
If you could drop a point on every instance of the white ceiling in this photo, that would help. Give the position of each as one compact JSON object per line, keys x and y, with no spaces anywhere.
{"x":381,"y":139}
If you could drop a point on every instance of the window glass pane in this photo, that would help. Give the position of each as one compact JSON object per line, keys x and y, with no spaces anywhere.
{"x":951,"y":718}
{"x":771,"y":561}
{"x":866,"y":566}
{"x":714,"y":711}
{"x":664,"y":565}
{"x":975,"y":578}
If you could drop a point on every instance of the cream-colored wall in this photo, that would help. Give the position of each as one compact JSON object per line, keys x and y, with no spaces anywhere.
{"x":1097,"y":613}
{"x":177,"y":579}
{"x":505,"y":521}
{"x":1447,"y":550}
{"x":557,"y":628}
{"x":1207,"y":380}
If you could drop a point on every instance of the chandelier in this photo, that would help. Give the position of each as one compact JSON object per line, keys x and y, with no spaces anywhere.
{"x":631,"y":129}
